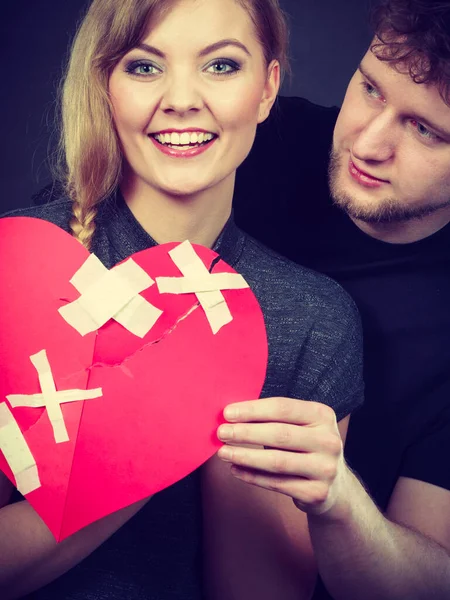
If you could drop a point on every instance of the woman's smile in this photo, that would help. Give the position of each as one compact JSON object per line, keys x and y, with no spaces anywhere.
{"x":183,"y":143}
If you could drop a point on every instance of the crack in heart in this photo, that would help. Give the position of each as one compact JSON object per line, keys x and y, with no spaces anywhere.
{"x":168,"y":331}
{"x":133,"y":354}
{"x":145,"y":346}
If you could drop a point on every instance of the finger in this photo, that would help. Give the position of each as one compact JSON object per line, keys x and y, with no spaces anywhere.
{"x":306,"y":494}
{"x":277,"y":462}
{"x":283,"y":436}
{"x":281,"y":410}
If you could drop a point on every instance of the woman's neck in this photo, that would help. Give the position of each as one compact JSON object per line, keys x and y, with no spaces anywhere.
{"x":198,"y":218}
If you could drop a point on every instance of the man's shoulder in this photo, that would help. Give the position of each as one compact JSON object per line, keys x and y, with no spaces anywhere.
{"x":57,"y":211}
{"x":298,"y":116}
{"x":297,"y":106}
{"x":291,"y":117}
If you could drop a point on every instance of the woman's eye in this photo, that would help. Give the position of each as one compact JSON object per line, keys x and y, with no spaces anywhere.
{"x":142,"y":69}
{"x":222,"y":67}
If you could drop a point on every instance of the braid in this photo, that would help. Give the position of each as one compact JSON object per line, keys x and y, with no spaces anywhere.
{"x":82,"y":223}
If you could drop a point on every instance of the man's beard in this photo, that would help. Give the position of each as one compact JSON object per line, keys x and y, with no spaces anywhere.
{"x":387,"y":210}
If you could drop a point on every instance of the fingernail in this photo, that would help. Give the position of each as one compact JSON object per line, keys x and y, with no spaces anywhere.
{"x":231,"y":412}
{"x":225,"y":432}
{"x":225,"y":453}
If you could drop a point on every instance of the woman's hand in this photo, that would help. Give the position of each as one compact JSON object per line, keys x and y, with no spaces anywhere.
{"x":299,"y":450}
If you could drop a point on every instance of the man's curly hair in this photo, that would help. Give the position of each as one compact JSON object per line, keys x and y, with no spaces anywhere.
{"x":414,"y":36}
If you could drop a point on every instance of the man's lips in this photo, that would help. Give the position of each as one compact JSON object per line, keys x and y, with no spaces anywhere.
{"x":368,"y":174}
{"x":364,"y":178}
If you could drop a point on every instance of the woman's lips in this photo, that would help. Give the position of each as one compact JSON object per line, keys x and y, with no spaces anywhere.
{"x":364,"y":178}
{"x":185,"y":153}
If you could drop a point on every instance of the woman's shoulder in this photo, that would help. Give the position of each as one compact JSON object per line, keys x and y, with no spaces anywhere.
{"x":271,"y":274}
{"x":58,"y":212}
{"x":313,"y":327}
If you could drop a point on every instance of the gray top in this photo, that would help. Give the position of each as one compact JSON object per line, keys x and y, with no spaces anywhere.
{"x":315,"y":353}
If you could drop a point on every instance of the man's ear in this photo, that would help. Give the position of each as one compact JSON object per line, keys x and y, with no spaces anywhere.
{"x":271,"y":89}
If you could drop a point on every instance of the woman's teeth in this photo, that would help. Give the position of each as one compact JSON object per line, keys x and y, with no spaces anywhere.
{"x":184,"y":140}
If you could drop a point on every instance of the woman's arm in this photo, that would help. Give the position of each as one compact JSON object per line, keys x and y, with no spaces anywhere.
{"x":256,"y":540}
{"x":29,"y":555}
{"x":6,"y":490}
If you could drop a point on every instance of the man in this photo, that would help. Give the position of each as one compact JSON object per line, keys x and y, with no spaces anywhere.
{"x":385,"y":238}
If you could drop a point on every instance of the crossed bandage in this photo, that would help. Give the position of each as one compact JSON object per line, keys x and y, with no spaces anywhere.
{"x":115,"y":294}
{"x":12,"y":441}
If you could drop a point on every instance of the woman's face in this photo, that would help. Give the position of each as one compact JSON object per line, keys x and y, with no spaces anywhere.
{"x":187,"y":101}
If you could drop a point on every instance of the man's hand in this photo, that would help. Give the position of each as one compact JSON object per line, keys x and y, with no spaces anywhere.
{"x":299,"y":450}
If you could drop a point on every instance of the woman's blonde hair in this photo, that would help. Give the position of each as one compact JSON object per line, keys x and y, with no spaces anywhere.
{"x":89,"y":157}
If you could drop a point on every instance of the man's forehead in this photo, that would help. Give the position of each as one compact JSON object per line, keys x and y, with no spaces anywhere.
{"x":421,"y":101}
{"x":395,"y":79}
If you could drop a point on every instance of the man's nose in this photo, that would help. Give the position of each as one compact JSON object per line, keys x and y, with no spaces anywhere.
{"x":377,"y":139}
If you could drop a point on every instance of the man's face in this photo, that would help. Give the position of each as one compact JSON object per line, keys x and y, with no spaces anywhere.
{"x":391,"y":147}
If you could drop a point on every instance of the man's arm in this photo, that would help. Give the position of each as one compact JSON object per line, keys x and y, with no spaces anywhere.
{"x":362,"y":553}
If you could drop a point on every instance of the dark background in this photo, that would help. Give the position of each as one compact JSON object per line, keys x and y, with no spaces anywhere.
{"x":328,"y":38}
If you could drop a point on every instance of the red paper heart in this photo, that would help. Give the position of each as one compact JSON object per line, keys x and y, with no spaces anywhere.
{"x":162,"y":400}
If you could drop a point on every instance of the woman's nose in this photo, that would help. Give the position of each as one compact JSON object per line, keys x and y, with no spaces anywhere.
{"x":181,"y":95}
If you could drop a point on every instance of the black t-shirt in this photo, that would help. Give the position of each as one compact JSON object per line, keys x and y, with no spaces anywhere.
{"x":402,"y":292}
{"x":315,"y":353}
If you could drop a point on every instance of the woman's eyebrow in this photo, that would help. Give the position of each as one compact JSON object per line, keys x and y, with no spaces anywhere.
{"x":221,"y":44}
{"x":208,"y":50}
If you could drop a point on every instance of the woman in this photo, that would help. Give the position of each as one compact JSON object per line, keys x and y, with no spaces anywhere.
{"x":160,"y":106}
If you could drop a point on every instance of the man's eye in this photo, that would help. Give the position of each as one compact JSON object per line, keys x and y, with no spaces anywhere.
{"x":424,"y":132}
{"x":222,"y":67}
{"x":370,"y":90}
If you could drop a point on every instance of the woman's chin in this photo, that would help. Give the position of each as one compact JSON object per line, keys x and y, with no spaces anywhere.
{"x":185,"y":190}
